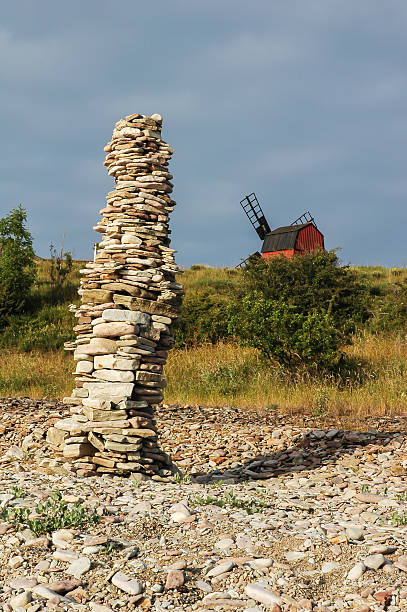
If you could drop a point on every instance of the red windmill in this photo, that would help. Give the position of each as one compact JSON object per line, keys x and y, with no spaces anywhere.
{"x":298,"y":238}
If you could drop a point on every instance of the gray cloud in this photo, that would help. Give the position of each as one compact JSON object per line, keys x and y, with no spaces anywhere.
{"x":304,"y":103}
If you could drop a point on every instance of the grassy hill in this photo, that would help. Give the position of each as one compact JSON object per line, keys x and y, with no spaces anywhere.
{"x":208,"y":367}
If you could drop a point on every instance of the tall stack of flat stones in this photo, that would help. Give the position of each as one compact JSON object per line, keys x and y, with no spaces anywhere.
{"x":129,"y":300}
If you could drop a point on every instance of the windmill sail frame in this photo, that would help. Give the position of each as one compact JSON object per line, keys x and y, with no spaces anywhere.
{"x":253,"y":210}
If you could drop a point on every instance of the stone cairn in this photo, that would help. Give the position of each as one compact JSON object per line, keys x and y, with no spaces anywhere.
{"x":129,"y":300}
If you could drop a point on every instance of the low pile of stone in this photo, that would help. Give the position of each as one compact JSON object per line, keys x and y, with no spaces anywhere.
{"x":129,"y":300}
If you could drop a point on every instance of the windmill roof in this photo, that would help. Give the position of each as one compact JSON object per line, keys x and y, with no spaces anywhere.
{"x":282,"y":238}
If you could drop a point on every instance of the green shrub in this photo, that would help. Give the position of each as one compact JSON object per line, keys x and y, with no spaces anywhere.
{"x":61,"y":265}
{"x":48,"y":329}
{"x":17,"y":266}
{"x":390,"y":313}
{"x":228,"y":379}
{"x":204,"y":318}
{"x":299,"y":311}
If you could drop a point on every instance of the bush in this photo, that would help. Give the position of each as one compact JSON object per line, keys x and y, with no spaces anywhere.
{"x":17,"y":266}
{"x":61,"y":265}
{"x":204,"y":319}
{"x":299,"y":311}
{"x":390,"y":314}
{"x":45,"y":330}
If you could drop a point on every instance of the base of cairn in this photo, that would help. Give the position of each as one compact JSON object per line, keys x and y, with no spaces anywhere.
{"x":103,"y":437}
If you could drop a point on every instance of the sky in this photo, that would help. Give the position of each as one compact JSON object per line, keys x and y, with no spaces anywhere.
{"x":303,"y":102}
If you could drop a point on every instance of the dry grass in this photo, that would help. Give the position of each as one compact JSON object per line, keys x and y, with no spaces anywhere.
{"x":228,"y":374}
{"x":36,"y":374}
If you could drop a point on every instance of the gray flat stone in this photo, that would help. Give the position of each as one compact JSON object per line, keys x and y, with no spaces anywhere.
{"x":374,"y":561}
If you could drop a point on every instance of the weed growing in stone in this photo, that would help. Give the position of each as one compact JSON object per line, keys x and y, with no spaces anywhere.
{"x":17,"y":492}
{"x":230,"y":500}
{"x":182,"y":478}
{"x":49,"y":516}
{"x":399,"y":519}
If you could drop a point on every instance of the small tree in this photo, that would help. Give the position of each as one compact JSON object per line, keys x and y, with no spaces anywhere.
{"x":299,"y":311}
{"x":61,"y":265}
{"x":17,"y":265}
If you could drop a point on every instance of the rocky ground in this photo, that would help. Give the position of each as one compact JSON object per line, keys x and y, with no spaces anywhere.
{"x":272,"y":513}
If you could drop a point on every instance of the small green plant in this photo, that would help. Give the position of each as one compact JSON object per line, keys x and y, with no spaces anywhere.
{"x":108,"y":548}
{"x":53,"y":514}
{"x":61,"y":264}
{"x":217,"y":484}
{"x":182,"y":478}
{"x":365,"y":489}
{"x":321,"y":402}
{"x":17,"y":492}
{"x":399,"y":519}
{"x":402,"y":497}
{"x":230,"y":500}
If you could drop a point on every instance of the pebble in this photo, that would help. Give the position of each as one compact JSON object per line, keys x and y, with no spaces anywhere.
{"x":261,"y":593}
{"x":374,"y":561}
{"x":354,"y":533}
{"x":356,"y":572}
{"x":132,"y":586}
{"x":79,"y":567}
{"x":175,"y":579}
{"x":15,"y":562}
{"x":310,"y":511}
{"x":21,"y":600}
{"x":329,"y":566}
{"x":221,"y":568}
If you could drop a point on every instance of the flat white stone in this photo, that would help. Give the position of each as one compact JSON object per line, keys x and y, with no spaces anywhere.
{"x":259,"y":592}
{"x":97,"y":346}
{"x":111,"y":362}
{"x":84,"y":367}
{"x":295,"y":555}
{"x":329,"y":566}
{"x":356,"y":572}
{"x":109,"y":389}
{"x":114,"y":375}
{"x":374,"y":561}
{"x":65,"y":555}
{"x":261,"y":563}
{"x":79,"y":567}
{"x":113,"y":329}
{"x":21,"y":600}
{"x":68,"y":425}
{"x":45,"y":592}
{"x":221,"y":568}
{"x":132,"y":586}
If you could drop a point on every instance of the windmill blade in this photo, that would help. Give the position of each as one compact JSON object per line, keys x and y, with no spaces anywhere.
{"x":305,"y":218}
{"x":253,"y":257}
{"x":252,"y":208}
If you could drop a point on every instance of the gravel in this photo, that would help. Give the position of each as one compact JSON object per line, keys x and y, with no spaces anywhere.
{"x":272,"y":514}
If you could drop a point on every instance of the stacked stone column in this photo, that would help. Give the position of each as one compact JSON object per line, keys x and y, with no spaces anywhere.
{"x":129,"y":300}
